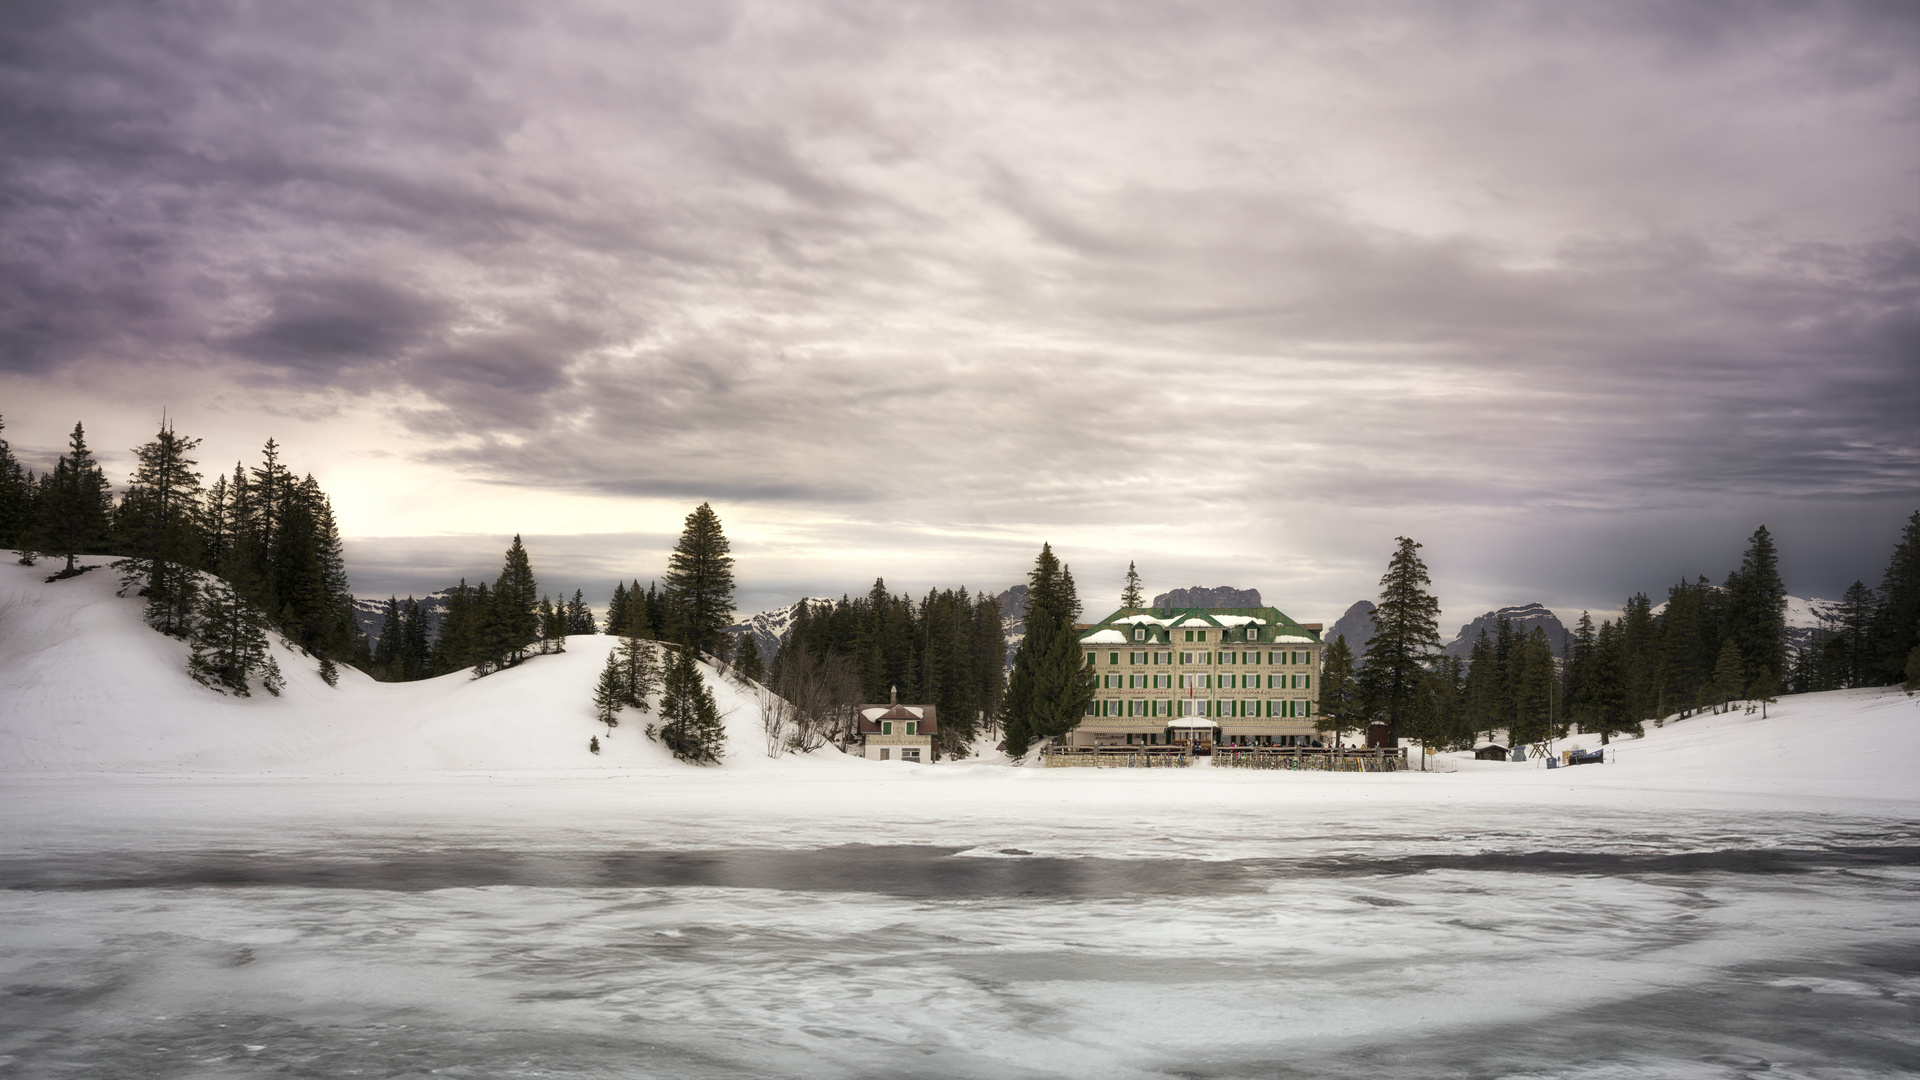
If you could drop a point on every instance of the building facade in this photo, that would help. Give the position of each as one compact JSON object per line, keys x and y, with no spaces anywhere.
{"x":895,"y":732}
{"x":1246,"y":676}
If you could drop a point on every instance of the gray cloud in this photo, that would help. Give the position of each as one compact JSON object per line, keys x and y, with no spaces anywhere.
{"x":1316,"y":272}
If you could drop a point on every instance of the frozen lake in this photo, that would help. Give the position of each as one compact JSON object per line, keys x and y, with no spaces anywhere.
{"x":1381,"y":941}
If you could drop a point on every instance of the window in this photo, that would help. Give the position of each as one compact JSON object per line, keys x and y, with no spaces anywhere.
{"x":1226,"y":682}
{"x":911,"y":753}
{"x":886,"y":727}
{"x":1139,"y":633}
{"x":1186,"y":658}
{"x":912,"y":725}
{"x":1113,"y":658}
{"x":1189,"y":636}
{"x":1136,"y":682}
{"x":1202,"y":635}
{"x":886,"y":754}
{"x":1162,"y":681}
{"x":1253,"y":633}
{"x":1093,"y":708}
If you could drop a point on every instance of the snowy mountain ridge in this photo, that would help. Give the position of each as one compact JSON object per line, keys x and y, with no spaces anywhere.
{"x":769,"y":628}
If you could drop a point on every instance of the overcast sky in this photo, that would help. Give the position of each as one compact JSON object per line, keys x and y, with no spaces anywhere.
{"x":1575,"y":294}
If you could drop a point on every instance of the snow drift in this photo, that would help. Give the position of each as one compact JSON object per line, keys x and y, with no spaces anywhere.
{"x":89,"y":687}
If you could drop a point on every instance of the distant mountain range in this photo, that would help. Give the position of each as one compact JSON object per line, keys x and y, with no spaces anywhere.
{"x":371,"y":612}
{"x":1523,"y":618}
{"x":769,"y":628}
{"x":1216,"y":597}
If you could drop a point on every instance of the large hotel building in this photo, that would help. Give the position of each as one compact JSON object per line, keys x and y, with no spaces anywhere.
{"x":1241,"y":676}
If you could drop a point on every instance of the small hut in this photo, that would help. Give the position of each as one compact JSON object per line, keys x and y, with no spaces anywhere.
{"x":1491,"y":752}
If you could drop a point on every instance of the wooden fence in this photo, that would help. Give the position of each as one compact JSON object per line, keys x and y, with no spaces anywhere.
{"x":1117,"y":757}
{"x":1315,"y":759}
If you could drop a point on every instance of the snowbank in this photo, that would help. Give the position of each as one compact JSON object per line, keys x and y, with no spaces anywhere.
{"x":89,"y":687}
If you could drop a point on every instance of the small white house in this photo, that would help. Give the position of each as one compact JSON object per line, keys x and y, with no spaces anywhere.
{"x":895,"y":732}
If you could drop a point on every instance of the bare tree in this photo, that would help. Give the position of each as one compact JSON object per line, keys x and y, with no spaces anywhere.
{"x":822,"y":689}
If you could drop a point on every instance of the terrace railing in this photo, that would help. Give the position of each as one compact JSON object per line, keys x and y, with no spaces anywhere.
{"x":1310,"y":758}
{"x":1117,"y":757}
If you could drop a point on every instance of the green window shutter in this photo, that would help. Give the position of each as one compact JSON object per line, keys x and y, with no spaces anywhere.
{"x":1306,"y":681}
{"x":913,"y":727}
{"x":886,"y":727}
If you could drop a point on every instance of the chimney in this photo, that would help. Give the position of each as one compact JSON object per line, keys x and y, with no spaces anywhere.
{"x":893,"y":695}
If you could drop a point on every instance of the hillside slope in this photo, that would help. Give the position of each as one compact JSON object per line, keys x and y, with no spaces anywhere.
{"x":86,"y":686}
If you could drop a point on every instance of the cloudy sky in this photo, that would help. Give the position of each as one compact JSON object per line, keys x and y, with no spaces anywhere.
{"x":1575,"y":294}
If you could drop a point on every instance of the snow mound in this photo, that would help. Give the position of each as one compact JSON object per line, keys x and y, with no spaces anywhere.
{"x":86,"y":686}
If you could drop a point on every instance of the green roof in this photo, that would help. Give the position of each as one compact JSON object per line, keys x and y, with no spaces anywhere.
{"x":1163,"y":621}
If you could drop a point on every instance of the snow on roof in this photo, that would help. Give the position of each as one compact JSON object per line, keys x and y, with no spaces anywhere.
{"x":1294,"y":639}
{"x":1105,"y":637}
{"x":1196,"y":620}
{"x":1142,"y":619}
{"x":1238,"y":620}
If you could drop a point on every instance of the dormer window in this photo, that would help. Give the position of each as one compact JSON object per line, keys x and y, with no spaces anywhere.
{"x":1139,"y":634}
{"x":1253,"y":634}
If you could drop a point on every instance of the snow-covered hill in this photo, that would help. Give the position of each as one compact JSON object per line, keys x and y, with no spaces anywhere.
{"x":86,"y":686}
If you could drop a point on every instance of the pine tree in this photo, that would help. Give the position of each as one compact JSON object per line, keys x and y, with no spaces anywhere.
{"x":453,"y":649}
{"x":746,"y":659}
{"x":229,"y":642}
{"x":1407,"y":636}
{"x":609,"y":694}
{"x":1756,"y":613}
{"x":1729,"y":674}
{"x":1051,"y":685}
{"x":159,"y":530}
{"x":1131,"y":597}
{"x":1533,"y":689}
{"x":1851,"y":641}
{"x":386,"y":652}
{"x":1484,"y":696}
{"x":617,"y":610}
{"x":1640,"y":655}
{"x":553,"y":627}
{"x":700,"y":582}
{"x":414,"y":651}
{"x":16,"y":499}
{"x":510,"y":621}
{"x":1896,"y":622}
{"x":329,"y":673}
{"x":74,"y":505}
{"x":689,"y":720}
{"x":1336,"y":716}
{"x":639,"y":621}
{"x":1576,"y":703}
{"x":579,"y":615}
{"x":638,"y":672}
